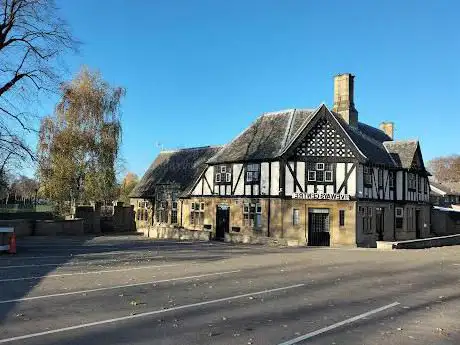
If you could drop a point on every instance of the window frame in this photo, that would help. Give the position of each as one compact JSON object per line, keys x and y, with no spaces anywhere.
{"x":252,"y":175}
{"x":295,"y":217}
{"x":367,"y":173}
{"x":341,"y":218}
{"x":380,"y":178}
{"x":308,"y":175}
{"x":252,"y":215}
{"x":391,"y":179}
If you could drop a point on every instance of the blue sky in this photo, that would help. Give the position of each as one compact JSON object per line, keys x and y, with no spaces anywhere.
{"x":199,"y":72}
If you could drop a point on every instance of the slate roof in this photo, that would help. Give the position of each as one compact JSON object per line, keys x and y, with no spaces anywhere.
{"x":265,"y":138}
{"x":402,"y":152}
{"x":272,"y":133}
{"x":179,"y":167}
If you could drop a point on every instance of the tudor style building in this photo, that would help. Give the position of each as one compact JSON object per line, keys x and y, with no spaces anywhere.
{"x":316,"y":176}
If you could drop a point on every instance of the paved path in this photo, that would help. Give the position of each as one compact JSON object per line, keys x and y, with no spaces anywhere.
{"x":129,"y":290}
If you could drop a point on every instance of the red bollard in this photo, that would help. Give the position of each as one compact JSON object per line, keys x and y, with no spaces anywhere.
{"x":12,"y":249}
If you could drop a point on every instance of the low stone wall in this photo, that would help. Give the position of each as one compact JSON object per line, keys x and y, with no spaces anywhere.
{"x":241,"y":238}
{"x":71,"y":227}
{"x":451,"y":240}
{"x":177,"y":233}
{"x":22,"y":227}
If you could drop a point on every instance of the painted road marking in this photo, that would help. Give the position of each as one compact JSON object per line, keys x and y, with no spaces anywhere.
{"x":18,"y":258}
{"x":338,"y":324}
{"x":117,"y":287}
{"x":81,"y":273}
{"x":87,"y":263}
{"x":154,"y":312}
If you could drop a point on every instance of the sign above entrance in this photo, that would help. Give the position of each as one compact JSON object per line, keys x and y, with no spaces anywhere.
{"x":321,"y":196}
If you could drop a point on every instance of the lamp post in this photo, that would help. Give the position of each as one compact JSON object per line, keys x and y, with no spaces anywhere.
{"x":36,"y":192}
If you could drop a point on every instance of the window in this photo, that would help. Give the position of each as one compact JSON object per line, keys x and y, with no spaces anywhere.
{"x":411,"y":181}
{"x":342,"y":218}
{"x":399,"y":213}
{"x":391,"y":179}
{"x":252,"y":214}
{"x":252,"y":173}
{"x":380,"y":178}
{"x":367,"y":176}
{"x":295,"y":217}
{"x":162,"y":211}
{"x":174,"y":213}
{"x":223,"y":174}
{"x":367,"y":220}
{"x":197,"y":214}
{"x":320,"y":172}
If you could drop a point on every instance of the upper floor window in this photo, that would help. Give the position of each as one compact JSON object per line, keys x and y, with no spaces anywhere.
{"x":411,"y":181}
{"x":367,"y":176}
{"x":380,"y":178}
{"x":223,"y":174}
{"x":391,"y":179}
{"x":320,"y":172}
{"x":162,"y":211}
{"x":253,"y":173}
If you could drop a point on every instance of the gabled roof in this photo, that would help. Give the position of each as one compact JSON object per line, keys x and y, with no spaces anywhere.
{"x":273,"y":133}
{"x":179,"y":167}
{"x":403,"y":152}
{"x":265,"y":138}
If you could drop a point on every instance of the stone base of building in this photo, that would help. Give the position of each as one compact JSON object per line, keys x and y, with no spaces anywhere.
{"x":173,"y":233}
{"x":248,"y":239}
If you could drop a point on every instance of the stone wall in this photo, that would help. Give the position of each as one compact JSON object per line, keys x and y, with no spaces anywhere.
{"x":70,"y":227}
{"x":22,"y":227}
{"x":445,"y":222}
{"x":92,"y":218}
{"x":168,"y":232}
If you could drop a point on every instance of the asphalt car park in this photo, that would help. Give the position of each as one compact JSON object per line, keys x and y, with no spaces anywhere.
{"x":132,"y":290}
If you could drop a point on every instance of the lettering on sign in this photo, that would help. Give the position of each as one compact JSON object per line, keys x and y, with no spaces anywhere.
{"x":321,"y":196}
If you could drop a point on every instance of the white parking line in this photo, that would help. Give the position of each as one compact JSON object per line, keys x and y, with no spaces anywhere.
{"x":154,"y":312}
{"x":116,"y":287}
{"x":338,"y":324}
{"x":87,"y":263}
{"x":95,"y":254}
{"x":81,"y":273}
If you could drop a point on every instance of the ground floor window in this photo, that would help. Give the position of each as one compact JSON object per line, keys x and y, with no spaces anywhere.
{"x":161,"y":214}
{"x":399,"y":217}
{"x":197,"y":213}
{"x":174,"y":212}
{"x":366,"y":213}
{"x":252,"y":215}
{"x":342,"y":218}
{"x":295,"y":217}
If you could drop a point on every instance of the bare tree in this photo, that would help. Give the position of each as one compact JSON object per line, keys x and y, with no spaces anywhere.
{"x":446,"y":169}
{"x":33,"y":38}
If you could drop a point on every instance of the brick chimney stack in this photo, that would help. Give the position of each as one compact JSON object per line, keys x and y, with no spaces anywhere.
{"x":388,"y":128}
{"x":343,"y":98}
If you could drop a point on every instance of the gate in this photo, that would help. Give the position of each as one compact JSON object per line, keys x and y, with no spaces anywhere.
{"x":318,"y":227}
